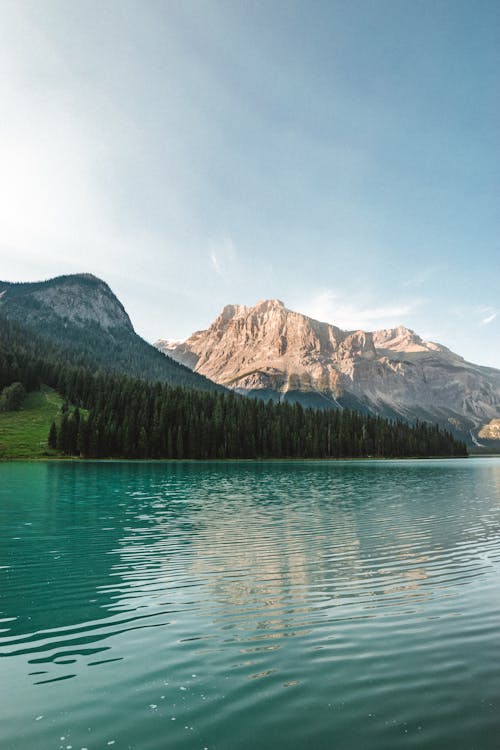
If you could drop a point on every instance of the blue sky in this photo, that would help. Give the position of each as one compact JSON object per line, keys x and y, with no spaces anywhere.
{"x":342,"y":156}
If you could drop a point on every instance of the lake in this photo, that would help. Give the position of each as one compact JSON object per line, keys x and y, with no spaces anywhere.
{"x":269,"y":605}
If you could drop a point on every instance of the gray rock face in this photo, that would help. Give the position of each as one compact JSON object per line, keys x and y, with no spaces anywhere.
{"x":79,"y":299}
{"x":87,"y":323}
{"x":274,"y":351}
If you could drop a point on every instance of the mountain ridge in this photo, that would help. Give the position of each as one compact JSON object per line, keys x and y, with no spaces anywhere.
{"x":270,"y":351}
{"x":82,"y":315}
{"x":62,"y":294}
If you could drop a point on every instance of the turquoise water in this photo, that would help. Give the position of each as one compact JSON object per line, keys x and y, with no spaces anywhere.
{"x":351,"y":605}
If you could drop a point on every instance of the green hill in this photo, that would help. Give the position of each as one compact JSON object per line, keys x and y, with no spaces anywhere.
{"x":23,"y":433}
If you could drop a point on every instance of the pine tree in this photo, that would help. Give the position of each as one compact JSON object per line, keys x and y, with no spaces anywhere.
{"x":52,"y":441}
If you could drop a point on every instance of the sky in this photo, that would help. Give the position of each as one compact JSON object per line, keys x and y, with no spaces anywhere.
{"x":342,"y":156}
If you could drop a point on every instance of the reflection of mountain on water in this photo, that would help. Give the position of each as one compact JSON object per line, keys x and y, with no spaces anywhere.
{"x":229,"y":596}
{"x":263,"y":560}
{"x":361,"y":538}
{"x":275,"y":548}
{"x":230,"y":551}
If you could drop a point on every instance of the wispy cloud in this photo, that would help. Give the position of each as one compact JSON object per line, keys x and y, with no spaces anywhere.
{"x":488,"y":315}
{"x":333,"y":307}
{"x":223,"y":257}
{"x":216,"y":263}
{"x":423,"y":275}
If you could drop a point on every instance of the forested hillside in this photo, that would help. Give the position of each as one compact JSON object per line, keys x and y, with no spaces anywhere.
{"x":89,"y":325}
{"x":132,"y":418}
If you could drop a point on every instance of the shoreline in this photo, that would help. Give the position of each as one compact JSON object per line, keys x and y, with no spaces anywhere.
{"x":76,"y":459}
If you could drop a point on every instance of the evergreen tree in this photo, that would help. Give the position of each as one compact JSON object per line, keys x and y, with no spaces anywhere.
{"x":52,"y":441}
{"x":130,"y":418}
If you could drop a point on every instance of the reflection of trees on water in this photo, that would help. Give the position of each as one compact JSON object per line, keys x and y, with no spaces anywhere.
{"x":64,"y":521}
{"x":245,"y":547}
{"x":229,"y":543}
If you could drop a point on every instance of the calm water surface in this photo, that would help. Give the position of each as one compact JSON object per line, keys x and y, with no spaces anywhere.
{"x":350,"y":605}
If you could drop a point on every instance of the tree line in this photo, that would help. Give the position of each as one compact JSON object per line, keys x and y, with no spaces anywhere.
{"x":115,"y":416}
{"x":116,"y":349}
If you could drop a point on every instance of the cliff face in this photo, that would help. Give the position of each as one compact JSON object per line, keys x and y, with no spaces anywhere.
{"x":271,"y":351}
{"x":79,"y":299}
{"x":82,"y":316}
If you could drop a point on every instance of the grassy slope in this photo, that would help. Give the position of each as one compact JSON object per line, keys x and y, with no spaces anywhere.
{"x":24,"y":433}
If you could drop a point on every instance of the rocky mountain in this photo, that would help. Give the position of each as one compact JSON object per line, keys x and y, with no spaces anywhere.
{"x":86,"y":320}
{"x":78,"y":299}
{"x":272,"y":352}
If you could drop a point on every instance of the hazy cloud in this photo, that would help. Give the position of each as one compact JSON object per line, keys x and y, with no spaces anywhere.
{"x":423,"y":275}
{"x":333,"y":307}
{"x":54,"y":210}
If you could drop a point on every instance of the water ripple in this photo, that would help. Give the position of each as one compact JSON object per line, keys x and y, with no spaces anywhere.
{"x":341,"y":603}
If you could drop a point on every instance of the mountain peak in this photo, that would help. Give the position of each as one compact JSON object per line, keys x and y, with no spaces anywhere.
{"x":402,"y":339}
{"x":85,"y":275}
{"x":79,"y":299}
{"x":270,"y":304}
{"x":271,"y":351}
{"x":88,"y":325}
